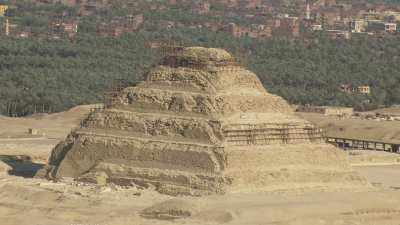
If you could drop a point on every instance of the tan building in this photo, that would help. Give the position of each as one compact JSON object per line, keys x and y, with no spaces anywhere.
{"x":234,"y":30}
{"x":327,"y":110}
{"x":391,"y":27}
{"x":203,"y":8}
{"x":392,"y":14}
{"x":346,"y":88}
{"x":381,"y":26}
{"x":3,"y":9}
{"x":70,"y":2}
{"x":316,"y":27}
{"x":69,"y":28}
{"x":110,"y":30}
{"x":286,"y":26}
{"x":134,"y":23}
{"x":330,"y":18}
{"x":364,"y":89}
{"x":338,"y":34}
{"x":358,"y":26}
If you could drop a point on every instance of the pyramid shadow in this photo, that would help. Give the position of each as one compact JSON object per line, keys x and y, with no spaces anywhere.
{"x":21,"y":165}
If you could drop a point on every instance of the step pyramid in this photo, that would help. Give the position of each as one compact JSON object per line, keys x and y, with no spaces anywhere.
{"x":200,"y":124}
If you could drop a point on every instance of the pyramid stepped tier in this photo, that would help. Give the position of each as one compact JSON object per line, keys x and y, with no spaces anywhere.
{"x":204,"y":130}
{"x":219,"y":105}
{"x":150,"y":125}
{"x":199,"y":57}
{"x":208,"y":80}
{"x":200,"y":124}
{"x":272,"y":133}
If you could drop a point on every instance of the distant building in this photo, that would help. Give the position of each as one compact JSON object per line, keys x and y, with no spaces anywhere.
{"x":203,"y":8}
{"x":3,"y":9}
{"x":253,"y":4}
{"x":316,"y":27}
{"x":327,"y":110}
{"x":391,"y":15}
{"x":377,"y":26}
{"x":358,"y":26}
{"x":70,"y":2}
{"x":331,"y":16}
{"x":133,"y":23}
{"x":338,"y":34}
{"x":110,"y":30}
{"x":167,"y":24}
{"x":346,"y":88}
{"x":89,"y":6}
{"x":70,"y":28}
{"x":364,"y":89}
{"x":324,"y":3}
{"x":234,"y":30}
{"x":172,"y":2}
{"x":118,"y":26}
{"x":286,"y":26}
{"x":308,"y":11}
{"x":371,"y":14}
{"x":260,"y":31}
{"x":253,"y":31}
{"x":23,"y":34}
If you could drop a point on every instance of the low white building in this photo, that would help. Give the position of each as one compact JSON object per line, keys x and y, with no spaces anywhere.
{"x":327,"y":110}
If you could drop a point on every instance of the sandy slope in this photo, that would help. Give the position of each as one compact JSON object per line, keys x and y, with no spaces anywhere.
{"x":55,"y":125}
{"x":368,"y":158}
{"x":395,"y":110}
{"x":15,"y":140}
{"x":356,"y":128}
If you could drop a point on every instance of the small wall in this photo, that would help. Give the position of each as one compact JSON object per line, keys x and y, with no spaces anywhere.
{"x":338,"y":111}
{"x":327,"y":111}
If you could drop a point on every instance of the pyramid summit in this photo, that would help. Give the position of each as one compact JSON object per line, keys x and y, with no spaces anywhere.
{"x":200,"y":124}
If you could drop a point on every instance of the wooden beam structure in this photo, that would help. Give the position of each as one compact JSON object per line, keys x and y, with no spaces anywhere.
{"x":350,"y":143}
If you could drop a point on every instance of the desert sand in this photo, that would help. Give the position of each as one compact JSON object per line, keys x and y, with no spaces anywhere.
{"x":386,"y":131}
{"x":42,"y":202}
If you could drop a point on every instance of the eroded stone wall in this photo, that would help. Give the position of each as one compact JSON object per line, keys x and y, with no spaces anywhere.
{"x":90,"y":148}
{"x":203,"y":104}
{"x":182,"y":128}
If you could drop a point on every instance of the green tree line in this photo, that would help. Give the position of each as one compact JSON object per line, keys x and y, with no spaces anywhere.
{"x":53,"y":75}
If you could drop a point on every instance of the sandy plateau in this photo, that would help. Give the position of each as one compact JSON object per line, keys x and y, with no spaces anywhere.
{"x":25,"y":200}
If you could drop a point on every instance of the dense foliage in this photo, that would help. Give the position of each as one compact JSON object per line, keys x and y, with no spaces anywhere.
{"x":40,"y":75}
{"x":37,"y":75}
